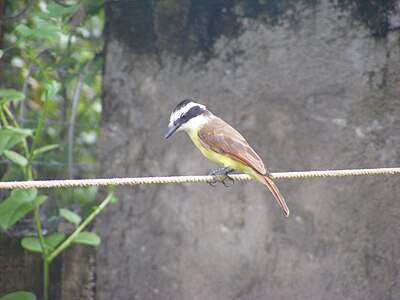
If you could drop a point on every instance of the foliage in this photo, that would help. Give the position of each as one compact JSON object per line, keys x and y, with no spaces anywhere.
{"x":67,"y":42}
{"x":49,"y":112}
{"x":17,"y":205}
{"x":22,"y":295}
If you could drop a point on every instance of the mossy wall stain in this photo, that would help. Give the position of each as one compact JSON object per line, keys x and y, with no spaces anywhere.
{"x":186,"y":27}
{"x":373,"y":14}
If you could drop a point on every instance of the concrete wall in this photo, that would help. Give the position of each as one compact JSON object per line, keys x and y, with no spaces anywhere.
{"x":311,"y":86}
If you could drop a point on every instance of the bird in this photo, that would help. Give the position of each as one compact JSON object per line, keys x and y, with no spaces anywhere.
{"x":221,"y":143}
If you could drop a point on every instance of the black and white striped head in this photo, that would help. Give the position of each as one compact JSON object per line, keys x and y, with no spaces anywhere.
{"x":187,"y":115}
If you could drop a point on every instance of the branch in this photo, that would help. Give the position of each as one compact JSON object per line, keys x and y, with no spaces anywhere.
{"x":21,"y":117}
{"x":60,"y":3}
{"x":18,"y":15}
{"x":71,"y":131}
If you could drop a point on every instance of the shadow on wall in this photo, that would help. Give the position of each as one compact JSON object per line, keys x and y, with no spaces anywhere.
{"x":189,"y":27}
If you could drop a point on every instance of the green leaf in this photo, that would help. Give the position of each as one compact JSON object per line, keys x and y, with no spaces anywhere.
{"x":21,"y":295}
{"x":51,"y":242}
{"x":10,"y":136}
{"x":44,"y":149}
{"x":70,"y":216}
{"x":22,"y":131}
{"x":84,"y":55}
{"x":52,"y":88}
{"x":87,"y":238}
{"x":95,"y":3}
{"x":7,"y":95}
{"x":31,"y":244}
{"x":24,"y":30}
{"x":48,"y":30}
{"x":17,"y":205}
{"x":16,"y":158}
{"x":56,"y":10}
{"x":42,"y":30}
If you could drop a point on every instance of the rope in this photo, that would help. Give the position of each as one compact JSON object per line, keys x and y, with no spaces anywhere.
{"x":185,"y":179}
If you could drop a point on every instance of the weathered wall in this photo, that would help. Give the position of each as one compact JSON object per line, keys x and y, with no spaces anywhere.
{"x":71,"y":274}
{"x":314,"y":88}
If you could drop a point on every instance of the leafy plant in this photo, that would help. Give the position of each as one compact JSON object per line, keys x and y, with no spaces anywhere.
{"x":51,"y":87}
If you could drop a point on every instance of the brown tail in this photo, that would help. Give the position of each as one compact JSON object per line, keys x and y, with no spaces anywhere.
{"x":274,"y":190}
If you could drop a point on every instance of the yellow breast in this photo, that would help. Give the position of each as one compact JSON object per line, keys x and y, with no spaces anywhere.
{"x":222,"y":159}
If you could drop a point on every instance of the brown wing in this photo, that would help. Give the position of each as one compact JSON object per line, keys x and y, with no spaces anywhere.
{"x":222,"y":138}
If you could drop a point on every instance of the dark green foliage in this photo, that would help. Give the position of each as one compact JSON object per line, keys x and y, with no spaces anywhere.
{"x":51,"y":68}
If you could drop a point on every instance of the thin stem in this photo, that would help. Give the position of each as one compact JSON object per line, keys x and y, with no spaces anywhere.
{"x":40,"y":234}
{"x":78,"y":7}
{"x":45,"y":279}
{"x":29,"y":175}
{"x":60,"y":3}
{"x":71,"y":131}
{"x":16,"y":125}
{"x":18,"y":15}
{"x":24,"y":142}
{"x":43,"y":114}
{"x":70,"y":239}
{"x":3,"y":117}
{"x":45,"y":254}
{"x":22,"y":108}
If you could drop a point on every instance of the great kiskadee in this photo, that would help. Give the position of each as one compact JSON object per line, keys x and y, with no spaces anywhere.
{"x":221,"y":143}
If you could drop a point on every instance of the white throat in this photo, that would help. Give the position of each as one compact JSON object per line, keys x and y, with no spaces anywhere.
{"x":194,"y":124}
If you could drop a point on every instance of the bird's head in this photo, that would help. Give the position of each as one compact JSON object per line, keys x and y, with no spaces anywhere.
{"x":187,"y":115}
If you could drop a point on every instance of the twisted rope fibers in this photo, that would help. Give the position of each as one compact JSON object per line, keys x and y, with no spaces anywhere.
{"x":186,"y":179}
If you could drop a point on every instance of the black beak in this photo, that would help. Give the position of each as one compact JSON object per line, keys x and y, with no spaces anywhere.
{"x":172,"y":129}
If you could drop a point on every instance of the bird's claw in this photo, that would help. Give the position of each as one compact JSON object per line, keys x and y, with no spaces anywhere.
{"x":230,"y":179}
{"x":213,"y":183}
{"x":222,"y":175}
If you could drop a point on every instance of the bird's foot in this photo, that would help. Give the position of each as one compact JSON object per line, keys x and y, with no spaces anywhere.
{"x":222,"y":175}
